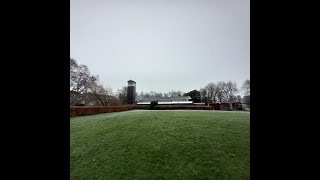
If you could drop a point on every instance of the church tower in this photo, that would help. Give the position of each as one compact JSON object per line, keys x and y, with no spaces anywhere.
{"x":131,"y":92}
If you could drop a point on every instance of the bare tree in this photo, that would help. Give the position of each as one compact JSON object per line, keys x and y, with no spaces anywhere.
{"x":89,"y":95}
{"x":103,"y":94}
{"x":114,"y":101}
{"x":220,"y":94}
{"x":122,"y":95}
{"x":213,"y":90}
{"x":173,"y":93}
{"x":246,"y":87}
{"x":80,"y":82}
{"x":139,"y":96}
{"x":73,"y":74}
{"x":229,"y":89}
{"x":239,"y":99}
{"x":209,"y":87}
{"x":73,"y":64}
{"x":152,"y":93}
{"x":246,"y":99}
{"x":204,"y":95}
{"x":86,"y":88}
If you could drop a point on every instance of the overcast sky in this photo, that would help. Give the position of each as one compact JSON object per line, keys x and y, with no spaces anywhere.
{"x":163,"y":45}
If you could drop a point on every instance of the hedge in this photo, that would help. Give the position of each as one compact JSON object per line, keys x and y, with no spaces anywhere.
{"x":172,"y":107}
{"x":88,"y":110}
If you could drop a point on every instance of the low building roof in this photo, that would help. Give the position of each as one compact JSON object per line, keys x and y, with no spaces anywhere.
{"x":165,"y":98}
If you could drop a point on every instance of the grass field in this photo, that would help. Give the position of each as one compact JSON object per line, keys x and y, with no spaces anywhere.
{"x":173,"y":144}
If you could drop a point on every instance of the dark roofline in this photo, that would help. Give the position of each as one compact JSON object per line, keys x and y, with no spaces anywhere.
{"x":162,"y":98}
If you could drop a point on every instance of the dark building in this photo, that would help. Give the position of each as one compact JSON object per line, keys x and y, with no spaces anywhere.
{"x":131,"y":92}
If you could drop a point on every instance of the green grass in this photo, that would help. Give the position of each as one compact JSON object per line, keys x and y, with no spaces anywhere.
{"x":154,"y":144}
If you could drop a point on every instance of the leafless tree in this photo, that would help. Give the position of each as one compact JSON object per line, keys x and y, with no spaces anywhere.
{"x":122,"y":95}
{"x":220,"y":93}
{"x":103,"y":94}
{"x":73,"y":63}
{"x":210,"y":87}
{"x":152,"y":93}
{"x":158,"y":95}
{"x":114,"y":101}
{"x":139,"y":96}
{"x":213,"y":91}
{"x":80,"y":82}
{"x":204,"y":95}
{"x":173,"y":93}
{"x":246,"y":87}
{"x":220,"y":96}
{"x":239,"y":99}
{"x":246,"y":99}
{"x":229,"y":89}
{"x":73,"y":66}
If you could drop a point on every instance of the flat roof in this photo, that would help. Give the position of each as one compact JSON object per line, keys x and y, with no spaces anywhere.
{"x":165,"y":98}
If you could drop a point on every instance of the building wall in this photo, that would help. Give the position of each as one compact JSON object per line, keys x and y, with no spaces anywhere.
{"x":131,"y":94}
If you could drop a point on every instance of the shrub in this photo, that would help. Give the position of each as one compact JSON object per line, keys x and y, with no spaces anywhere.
{"x":153,"y":104}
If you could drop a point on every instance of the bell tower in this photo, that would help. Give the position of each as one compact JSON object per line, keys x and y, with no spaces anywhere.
{"x":131,"y":92}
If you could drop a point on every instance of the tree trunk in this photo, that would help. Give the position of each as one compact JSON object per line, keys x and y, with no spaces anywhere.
{"x":101,"y":102}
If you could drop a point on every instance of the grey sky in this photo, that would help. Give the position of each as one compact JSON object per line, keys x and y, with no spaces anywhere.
{"x":163,"y":45}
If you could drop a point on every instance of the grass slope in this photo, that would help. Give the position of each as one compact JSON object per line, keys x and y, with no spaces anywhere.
{"x":146,"y":144}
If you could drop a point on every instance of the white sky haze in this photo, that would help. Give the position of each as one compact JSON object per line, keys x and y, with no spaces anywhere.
{"x":163,"y":45}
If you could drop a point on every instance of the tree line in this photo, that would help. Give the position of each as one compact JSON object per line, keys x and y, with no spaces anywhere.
{"x":86,"y":89}
{"x":222,"y":91}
